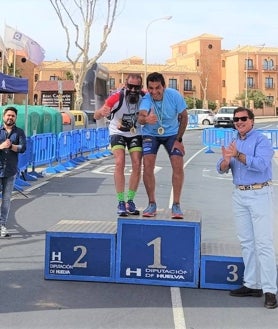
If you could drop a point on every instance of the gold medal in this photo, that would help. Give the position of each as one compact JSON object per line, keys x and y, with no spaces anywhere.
{"x":132,"y":130}
{"x":160,"y":130}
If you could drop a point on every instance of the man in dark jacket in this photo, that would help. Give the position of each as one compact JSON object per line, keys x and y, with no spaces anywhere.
{"x":12,"y":142}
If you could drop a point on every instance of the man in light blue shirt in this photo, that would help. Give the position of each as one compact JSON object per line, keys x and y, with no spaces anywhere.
{"x":249,"y":157}
{"x":164,"y":118}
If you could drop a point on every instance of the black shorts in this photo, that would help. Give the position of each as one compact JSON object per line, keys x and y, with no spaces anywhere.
{"x":122,"y":142}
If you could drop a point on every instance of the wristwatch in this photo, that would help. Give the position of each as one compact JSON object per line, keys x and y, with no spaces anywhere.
{"x":179,"y":139}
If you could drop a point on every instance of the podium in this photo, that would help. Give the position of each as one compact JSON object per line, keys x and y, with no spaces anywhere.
{"x":149,"y":251}
{"x":221,"y":266}
{"x":81,"y":250}
{"x":159,"y":251}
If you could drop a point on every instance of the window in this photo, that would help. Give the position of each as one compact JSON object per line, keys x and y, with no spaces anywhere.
{"x":36,"y":99}
{"x":53,"y":77}
{"x":223,"y":83}
{"x":187,"y":85}
{"x":36,"y":77}
{"x":223,"y":63}
{"x":173,"y":83}
{"x":269,"y":83}
{"x":249,"y":64}
{"x":269,"y":100}
{"x":112,"y":84}
{"x":268,"y":64}
{"x":250,"y":82}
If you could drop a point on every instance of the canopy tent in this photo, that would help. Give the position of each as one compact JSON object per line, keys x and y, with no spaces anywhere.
{"x":13,"y":85}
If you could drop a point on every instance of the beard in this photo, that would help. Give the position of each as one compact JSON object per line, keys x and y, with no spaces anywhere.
{"x":9,"y":122}
{"x":133,"y":97}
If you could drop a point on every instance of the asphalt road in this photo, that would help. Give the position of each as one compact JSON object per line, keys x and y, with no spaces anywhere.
{"x":87,"y":193}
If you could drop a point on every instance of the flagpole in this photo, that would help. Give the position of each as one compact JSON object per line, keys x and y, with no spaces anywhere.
{"x":14,"y":68}
{"x":2,"y":70}
{"x":2,"y":64}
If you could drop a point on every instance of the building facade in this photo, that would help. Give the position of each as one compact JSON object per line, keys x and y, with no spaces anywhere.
{"x":198,"y":68}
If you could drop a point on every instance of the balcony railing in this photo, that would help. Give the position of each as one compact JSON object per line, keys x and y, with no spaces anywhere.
{"x":270,"y":68}
{"x":269,"y":86}
{"x":250,"y":68}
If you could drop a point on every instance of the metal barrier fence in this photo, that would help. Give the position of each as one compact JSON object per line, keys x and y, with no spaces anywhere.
{"x":64,"y":151}
{"x":217,"y":137}
{"x":59,"y":153}
{"x":192,"y":121}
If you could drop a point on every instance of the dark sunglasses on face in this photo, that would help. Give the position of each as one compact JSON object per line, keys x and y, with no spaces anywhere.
{"x":236,"y":119}
{"x":135,"y":87}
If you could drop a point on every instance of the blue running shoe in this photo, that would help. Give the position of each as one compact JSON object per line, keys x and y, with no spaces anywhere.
{"x":176,"y":211}
{"x":150,"y":211}
{"x":131,"y":208}
{"x":122,"y":209}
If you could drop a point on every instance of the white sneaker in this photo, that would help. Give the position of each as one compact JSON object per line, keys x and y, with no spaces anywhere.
{"x":4,"y":233}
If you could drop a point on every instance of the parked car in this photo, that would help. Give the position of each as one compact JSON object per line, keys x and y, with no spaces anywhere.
{"x":205,"y":116}
{"x":224,"y":117}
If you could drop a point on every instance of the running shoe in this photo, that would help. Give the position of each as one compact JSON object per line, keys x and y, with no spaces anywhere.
{"x":131,"y":208}
{"x":150,"y":211}
{"x":176,"y":211}
{"x":122,"y":209}
{"x":4,"y":233}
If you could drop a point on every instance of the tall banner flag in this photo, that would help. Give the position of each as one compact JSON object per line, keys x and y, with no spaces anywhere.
{"x":24,"y":45}
{"x":2,"y":48}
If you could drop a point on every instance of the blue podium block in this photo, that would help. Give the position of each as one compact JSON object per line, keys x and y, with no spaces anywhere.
{"x":81,"y":251}
{"x":221,"y":266}
{"x":159,"y":251}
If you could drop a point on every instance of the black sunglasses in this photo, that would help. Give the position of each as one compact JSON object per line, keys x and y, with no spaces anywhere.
{"x":135,"y":87}
{"x":236,"y":119}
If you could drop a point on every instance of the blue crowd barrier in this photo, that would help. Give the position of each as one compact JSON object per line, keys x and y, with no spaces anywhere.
{"x":103,"y":138}
{"x":272,"y":135}
{"x":76,"y":146}
{"x":64,"y":151}
{"x":24,"y":160}
{"x":192,"y":121}
{"x":60,"y":152}
{"x":44,"y":151}
{"x":217,"y":137}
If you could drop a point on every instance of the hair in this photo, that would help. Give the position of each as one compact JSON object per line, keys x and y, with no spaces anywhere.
{"x":136,"y":76}
{"x":156,"y":77}
{"x":244,"y":109}
{"x":10,"y":108}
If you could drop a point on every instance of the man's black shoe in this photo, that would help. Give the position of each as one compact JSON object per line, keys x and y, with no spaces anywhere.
{"x":270,"y":300}
{"x":246,"y":292}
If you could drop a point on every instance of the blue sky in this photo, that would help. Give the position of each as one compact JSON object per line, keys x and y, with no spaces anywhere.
{"x":238,"y":22}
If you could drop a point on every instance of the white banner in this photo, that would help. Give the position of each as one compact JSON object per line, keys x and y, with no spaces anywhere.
{"x":14,"y":39}
{"x":25,"y":45}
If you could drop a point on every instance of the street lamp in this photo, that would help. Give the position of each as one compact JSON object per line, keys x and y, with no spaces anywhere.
{"x":146,"y":42}
{"x":246,"y":72}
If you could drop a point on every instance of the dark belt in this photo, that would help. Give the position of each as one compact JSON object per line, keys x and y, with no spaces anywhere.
{"x":253,"y":186}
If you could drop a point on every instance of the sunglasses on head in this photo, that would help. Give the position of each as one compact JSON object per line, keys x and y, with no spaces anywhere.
{"x":236,"y":119}
{"x":131,"y":86}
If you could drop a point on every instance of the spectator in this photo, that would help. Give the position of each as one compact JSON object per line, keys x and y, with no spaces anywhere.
{"x":12,"y":142}
{"x":249,"y":157}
